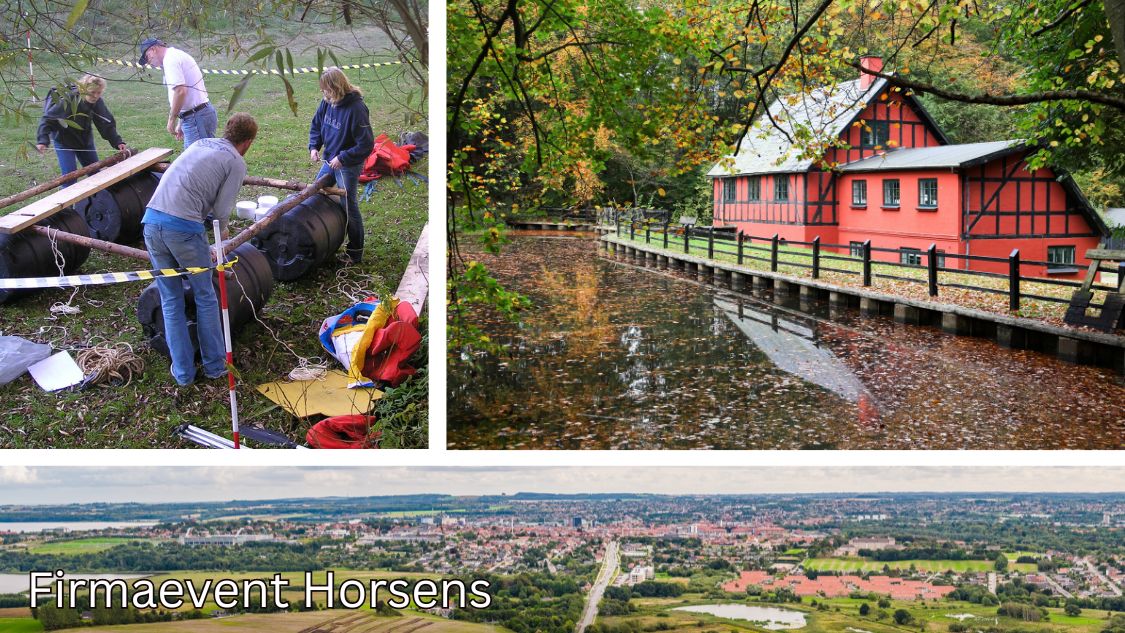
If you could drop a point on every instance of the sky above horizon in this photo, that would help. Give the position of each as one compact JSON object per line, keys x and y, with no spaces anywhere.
{"x":58,"y":485}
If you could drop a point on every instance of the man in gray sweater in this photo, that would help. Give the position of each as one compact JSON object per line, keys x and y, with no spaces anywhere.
{"x":203,"y":181}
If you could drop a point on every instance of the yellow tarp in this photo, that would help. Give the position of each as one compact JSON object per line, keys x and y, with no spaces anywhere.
{"x":328,"y":397}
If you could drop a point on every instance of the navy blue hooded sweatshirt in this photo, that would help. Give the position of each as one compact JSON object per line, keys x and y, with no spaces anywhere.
{"x":71,"y":106}
{"x":343,"y":129}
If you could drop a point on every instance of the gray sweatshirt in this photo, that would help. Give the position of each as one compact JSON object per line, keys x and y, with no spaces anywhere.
{"x":204,"y":180}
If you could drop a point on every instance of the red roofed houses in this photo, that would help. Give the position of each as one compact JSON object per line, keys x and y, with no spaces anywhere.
{"x":898,"y":182}
{"x":840,"y":586}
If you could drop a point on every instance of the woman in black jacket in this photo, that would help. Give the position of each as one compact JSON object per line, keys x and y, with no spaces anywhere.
{"x":342,"y":127}
{"x":67,"y":121}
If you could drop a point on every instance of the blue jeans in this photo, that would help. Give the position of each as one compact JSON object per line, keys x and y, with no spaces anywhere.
{"x":347,"y":178}
{"x":69,"y":158}
{"x":201,"y":124}
{"x":176,"y":249}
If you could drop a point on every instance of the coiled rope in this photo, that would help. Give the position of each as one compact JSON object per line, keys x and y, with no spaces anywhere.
{"x":116,"y":364}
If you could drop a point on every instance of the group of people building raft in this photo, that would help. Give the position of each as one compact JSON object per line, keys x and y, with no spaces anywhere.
{"x":205,"y":179}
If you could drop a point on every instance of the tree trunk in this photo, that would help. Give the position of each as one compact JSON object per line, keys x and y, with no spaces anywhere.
{"x":1115,"y":13}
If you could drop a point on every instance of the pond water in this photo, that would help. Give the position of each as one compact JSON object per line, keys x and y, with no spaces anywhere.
{"x":772,"y":618}
{"x":21,"y":583}
{"x":613,"y":356}
{"x":70,"y":526}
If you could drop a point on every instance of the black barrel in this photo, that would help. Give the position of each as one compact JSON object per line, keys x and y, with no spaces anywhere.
{"x":249,"y":286}
{"x":303,"y":238}
{"x":28,"y":254}
{"x":114,"y":213}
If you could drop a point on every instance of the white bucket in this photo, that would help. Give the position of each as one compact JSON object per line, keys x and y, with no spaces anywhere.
{"x":260,"y":213}
{"x":246,"y":209}
{"x":267,"y":202}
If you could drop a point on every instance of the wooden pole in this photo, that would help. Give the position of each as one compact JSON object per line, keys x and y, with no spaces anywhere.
{"x":277,"y":212}
{"x":51,"y":184}
{"x":82,"y":240}
{"x":258,"y":181}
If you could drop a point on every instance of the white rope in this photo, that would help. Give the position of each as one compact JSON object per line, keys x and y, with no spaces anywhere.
{"x":309,"y":369}
{"x":60,"y":307}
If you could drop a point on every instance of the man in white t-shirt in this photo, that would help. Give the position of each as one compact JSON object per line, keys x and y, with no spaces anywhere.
{"x":191,"y":115}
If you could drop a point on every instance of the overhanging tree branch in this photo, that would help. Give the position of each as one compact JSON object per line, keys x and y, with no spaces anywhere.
{"x":998,"y":100}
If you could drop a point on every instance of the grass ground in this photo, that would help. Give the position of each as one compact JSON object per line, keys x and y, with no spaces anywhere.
{"x":20,"y":625}
{"x":863,"y":565}
{"x":841,"y":615}
{"x":79,"y":546}
{"x":143,"y":413}
{"x":788,"y":256}
{"x":291,"y":623}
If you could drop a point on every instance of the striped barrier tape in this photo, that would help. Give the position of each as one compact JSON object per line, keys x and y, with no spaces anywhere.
{"x":212,"y":71}
{"x":97,"y":279}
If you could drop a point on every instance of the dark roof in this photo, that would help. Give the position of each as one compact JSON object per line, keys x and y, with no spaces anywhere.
{"x":935,"y":157}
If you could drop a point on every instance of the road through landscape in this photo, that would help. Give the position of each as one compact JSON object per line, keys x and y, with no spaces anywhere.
{"x":610,"y":563}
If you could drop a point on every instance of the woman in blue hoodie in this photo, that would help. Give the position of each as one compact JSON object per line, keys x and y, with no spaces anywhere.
{"x":69,"y":119}
{"x":342,"y":127}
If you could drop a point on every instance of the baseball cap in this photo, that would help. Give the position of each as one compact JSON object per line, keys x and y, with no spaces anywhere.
{"x":148,"y":43}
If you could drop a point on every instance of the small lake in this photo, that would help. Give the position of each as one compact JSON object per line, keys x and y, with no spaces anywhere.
{"x":21,"y":583}
{"x":71,"y":526}
{"x":615,"y":356}
{"x":772,"y":618}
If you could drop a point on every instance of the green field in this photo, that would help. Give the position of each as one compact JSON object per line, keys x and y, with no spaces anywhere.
{"x":144,"y":413}
{"x":80,"y":546}
{"x":20,"y":625}
{"x":841,"y":615}
{"x":863,"y":565}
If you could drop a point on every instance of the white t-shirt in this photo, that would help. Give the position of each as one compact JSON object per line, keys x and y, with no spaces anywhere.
{"x":181,"y":70}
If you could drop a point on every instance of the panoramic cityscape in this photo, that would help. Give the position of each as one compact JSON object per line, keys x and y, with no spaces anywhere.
{"x":847,"y":562}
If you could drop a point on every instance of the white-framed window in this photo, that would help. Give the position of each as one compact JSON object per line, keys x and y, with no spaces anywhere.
{"x":754,"y":188}
{"x":927,"y":193}
{"x":1060,"y":257}
{"x":859,"y":193}
{"x":729,"y":187}
{"x":890,"y":192}
{"x":781,"y":188}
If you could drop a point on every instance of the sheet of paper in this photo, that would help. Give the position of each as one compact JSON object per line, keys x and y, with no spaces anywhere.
{"x":56,"y":372}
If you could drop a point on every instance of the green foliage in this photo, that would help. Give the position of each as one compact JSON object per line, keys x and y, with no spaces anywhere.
{"x":1000,"y":563}
{"x":475,"y":286}
{"x":655,"y":589}
{"x":402,"y":412}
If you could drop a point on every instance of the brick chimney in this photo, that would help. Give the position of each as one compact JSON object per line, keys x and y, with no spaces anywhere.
{"x":869,"y":62}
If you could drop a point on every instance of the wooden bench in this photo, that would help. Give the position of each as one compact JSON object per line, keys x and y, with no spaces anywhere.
{"x":1111,"y":313}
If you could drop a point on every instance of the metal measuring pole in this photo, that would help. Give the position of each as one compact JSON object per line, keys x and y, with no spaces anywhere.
{"x":219,"y":260}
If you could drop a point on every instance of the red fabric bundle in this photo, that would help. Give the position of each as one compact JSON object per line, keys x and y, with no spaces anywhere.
{"x":387,"y":159}
{"x":392,"y":345}
{"x":344,"y":431}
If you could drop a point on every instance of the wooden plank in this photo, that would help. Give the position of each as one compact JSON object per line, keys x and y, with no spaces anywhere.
{"x":1105,"y":253}
{"x":415,"y":283}
{"x":63,"y":198}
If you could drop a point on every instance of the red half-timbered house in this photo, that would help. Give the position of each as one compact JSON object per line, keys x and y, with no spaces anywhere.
{"x":892,"y":177}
